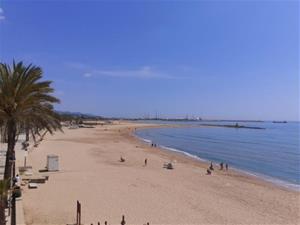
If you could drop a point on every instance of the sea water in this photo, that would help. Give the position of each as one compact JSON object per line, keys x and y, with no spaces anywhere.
{"x":272,"y":153}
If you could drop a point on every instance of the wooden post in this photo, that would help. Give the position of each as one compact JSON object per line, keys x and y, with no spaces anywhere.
{"x":123,"y":220}
{"x":105,"y":222}
{"x":78,"y":213}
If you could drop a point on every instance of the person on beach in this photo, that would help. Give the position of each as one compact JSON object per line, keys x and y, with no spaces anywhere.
{"x":226,"y":166}
{"x":221,"y":166}
{"x":208,"y":172}
{"x":146,"y":162}
{"x":16,"y":180}
{"x":211,"y":166}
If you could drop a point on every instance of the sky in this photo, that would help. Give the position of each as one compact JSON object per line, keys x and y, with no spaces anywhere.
{"x":213,"y":59}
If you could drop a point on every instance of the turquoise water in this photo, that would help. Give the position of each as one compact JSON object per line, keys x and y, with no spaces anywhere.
{"x":272,"y":153}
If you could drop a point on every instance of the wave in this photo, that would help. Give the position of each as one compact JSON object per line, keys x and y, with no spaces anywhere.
{"x":143,"y":139}
{"x":291,"y":186}
{"x":183,"y":152}
{"x":295,"y":187}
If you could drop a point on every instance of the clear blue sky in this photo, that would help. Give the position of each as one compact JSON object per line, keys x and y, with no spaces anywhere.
{"x":214,"y":59}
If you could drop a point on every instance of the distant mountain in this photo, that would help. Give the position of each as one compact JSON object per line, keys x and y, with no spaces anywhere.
{"x":79,"y":115}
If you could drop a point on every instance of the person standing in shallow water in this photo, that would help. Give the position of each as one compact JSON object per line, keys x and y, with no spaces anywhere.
{"x":211,"y":166}
{"x":221,"y":166}
{"x":226,"y":166}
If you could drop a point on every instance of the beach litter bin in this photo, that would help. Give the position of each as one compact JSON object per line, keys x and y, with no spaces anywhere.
{"x":52,"y":163}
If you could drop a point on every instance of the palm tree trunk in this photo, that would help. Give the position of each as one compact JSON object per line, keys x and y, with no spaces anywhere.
{"x":33,"y":137}
{"x":9,"y":171}
{"x":3,"y":134}
{"x":13,"y":211}
{"x":2,"y":211}
{"x":10,"y":154}
{"x":27,"y":133}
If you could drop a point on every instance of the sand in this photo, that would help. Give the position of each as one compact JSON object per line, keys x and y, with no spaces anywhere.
{"x":90,"y":172}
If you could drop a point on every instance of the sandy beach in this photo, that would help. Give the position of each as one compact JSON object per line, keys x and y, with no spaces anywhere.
{"x":90,"y":172}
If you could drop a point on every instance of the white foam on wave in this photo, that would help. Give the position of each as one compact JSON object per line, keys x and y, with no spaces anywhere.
{"x":183,"y":152}
{"x":295,"y":187}
{"x":143,"y":139}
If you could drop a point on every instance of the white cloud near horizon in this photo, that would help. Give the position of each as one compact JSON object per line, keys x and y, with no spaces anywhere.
{"x":87,"y":75}
{"x":145,"y":72}
{"x":2,"y":17}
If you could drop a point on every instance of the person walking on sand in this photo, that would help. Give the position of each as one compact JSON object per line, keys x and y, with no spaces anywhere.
{"x":226,"y":166}
{"x":221,"y":166}
{"x":208,"y":172}
{"x":146,"y":162}
{"x":211,"y":166}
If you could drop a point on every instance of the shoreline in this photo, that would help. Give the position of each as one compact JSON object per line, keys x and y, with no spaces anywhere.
{"x":265,"y":178}
{"x":90,"y":171}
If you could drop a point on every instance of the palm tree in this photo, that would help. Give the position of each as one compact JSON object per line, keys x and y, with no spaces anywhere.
{"x":4,"y":186}
{"x":26,"y":103}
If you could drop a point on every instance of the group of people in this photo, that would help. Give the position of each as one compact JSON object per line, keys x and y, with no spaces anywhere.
{"x":208,"y":171}
{"x":211,"y":167}
{"x":153,"y":145}
{"x":123,"y":160}
{"x":222,"y":166}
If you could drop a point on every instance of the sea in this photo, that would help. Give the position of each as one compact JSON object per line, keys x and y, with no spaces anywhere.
{"x":271,"y":153}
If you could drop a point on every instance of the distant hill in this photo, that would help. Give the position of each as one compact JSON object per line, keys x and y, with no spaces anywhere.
{"x":66,"y":115}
